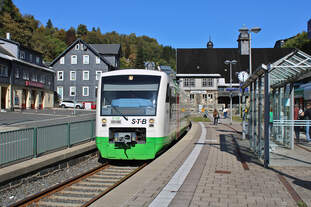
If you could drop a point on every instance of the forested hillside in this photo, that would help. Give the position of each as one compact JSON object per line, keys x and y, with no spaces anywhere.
{"x":51,"y":41}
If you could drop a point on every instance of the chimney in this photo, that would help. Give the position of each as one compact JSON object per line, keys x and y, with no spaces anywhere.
{"x":8,"y":36}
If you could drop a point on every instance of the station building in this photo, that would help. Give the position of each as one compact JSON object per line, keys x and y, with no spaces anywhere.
{"x":24,"y":81}
{"x":204,"y":76}
{"x":78,"y":69}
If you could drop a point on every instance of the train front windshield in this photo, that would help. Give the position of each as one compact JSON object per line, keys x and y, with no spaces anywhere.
{"x":130,"y":95}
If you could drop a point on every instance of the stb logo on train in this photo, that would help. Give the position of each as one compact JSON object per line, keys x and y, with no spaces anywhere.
{"x":139,"y":121}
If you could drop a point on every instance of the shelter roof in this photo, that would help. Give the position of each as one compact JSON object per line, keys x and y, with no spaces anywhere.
{"x":289,"y":68}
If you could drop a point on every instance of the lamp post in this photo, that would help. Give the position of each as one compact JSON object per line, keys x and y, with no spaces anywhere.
{"x":249,"y":31}
{"x":230,"y":63}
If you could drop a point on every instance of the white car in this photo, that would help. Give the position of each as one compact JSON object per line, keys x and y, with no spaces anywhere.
{"x":70,"y":104}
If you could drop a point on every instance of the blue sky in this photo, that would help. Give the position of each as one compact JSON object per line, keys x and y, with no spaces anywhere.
{"x":179,"y":23}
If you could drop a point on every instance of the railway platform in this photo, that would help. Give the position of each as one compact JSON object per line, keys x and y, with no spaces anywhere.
{"x":210,"y":166}
{"x":213,"y":166}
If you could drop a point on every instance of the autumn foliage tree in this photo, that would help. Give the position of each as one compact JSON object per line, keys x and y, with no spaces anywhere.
{"x":51,"y":41}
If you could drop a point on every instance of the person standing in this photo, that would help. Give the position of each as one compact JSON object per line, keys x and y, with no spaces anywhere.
{"x":298,"y":113}
{"x":225,"y":113}
{"x":307,"y":117}
{"x":271,"y":121}
{"x":215,"y":116}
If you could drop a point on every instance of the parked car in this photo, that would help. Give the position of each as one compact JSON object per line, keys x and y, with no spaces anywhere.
{"x":70,"y":104}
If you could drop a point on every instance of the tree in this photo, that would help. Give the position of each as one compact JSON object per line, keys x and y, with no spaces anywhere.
{"x":300,"y":41}
{"x":70,"y":36}
{"x":81,"y":30}
{"x":49,"y":24}
{"x":139,"y":63}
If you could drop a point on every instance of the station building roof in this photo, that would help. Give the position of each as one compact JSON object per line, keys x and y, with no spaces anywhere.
{"x":211,"y":60}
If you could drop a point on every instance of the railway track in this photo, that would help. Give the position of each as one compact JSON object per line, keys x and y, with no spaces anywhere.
{"x":84,"y":189}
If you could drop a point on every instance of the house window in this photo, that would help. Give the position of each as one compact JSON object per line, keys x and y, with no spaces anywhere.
{"x":189,"y":82}
{"x":60,"y":92}
{"x":42,"y":79}
{"x":85,"y":91}
{"x":98,"y":74}
{"x":73,"y":75}
{"x":60,"y":75}
{"x":77,"y":47}
{"x":62,"y":60}
{"x":210,"y":95}
{"x":22,"y":55}
{"x":86,"y":75}
{"x":4,"y":70}
{"x":207,"y":82}
{"x":49,"y":79}
{"x":191,"y":97}
{"x":74,"y":59}
{"x":34,"y":77}
{"x":30,"y":57}
{"x":86,"y":59}
{"x":97,"y":60}
{"x":72,"y":91}
{"x":26,"y":75}
{"x":205,"y":97}
{"x":38,"y":60}
{"x":17,"y":73}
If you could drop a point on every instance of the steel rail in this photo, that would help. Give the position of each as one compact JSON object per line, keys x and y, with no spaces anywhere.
{"x":36,"y":197}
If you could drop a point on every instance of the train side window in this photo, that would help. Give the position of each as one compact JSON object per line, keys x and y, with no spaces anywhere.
{"x":168,"y":94}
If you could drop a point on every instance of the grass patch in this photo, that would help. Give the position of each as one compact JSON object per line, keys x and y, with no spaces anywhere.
{"x":301,"y":204}
{"x":237,"y":118}
{"x":199,"y":119}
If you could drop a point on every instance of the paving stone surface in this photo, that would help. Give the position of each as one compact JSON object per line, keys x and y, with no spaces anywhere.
{"x":219,"y":179}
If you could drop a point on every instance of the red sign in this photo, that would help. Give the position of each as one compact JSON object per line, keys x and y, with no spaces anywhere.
{"x":34,"y":84}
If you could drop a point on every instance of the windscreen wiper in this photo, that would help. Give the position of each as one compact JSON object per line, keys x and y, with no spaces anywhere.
{"x":115,"y":108}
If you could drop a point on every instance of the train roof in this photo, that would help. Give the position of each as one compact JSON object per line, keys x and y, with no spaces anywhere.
{"x":134,"y":72}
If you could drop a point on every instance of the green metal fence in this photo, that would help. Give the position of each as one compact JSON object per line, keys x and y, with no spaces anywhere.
{"x":31,"y":142}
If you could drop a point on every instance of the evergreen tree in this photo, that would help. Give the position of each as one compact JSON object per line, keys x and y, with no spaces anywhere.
{"x":139,"y":63}
{"x":49,"y":24}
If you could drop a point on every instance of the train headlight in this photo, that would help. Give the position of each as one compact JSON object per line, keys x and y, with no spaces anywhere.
{"x":104,"y":121}
{"x":151,"y":122}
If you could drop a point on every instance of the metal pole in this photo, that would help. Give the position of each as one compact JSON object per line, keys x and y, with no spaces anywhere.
{"x":231,"y":93}
{"x":74,"y":101}
{"x":250,"y":54}
{"x":266,"y":122}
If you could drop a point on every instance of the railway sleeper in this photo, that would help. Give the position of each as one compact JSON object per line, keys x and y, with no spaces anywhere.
{"x":54,"y":204}
{"x":102,"y":180}
{"x":90,"y":189}
{"x":94,"y":185}
{"x":79,"y":195}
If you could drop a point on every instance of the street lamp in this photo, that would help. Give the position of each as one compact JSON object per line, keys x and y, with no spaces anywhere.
{"x":249,"y":31}
{"x":230,"y":63}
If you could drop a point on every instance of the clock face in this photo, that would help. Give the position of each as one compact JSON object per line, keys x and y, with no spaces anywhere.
{"x":243,"y":76}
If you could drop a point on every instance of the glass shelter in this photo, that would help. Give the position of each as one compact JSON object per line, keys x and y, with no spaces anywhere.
{"x":269,"y":116}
